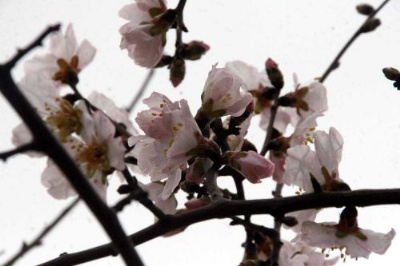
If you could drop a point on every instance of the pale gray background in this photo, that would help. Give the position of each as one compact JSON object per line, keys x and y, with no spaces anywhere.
{"x":302,"y":36}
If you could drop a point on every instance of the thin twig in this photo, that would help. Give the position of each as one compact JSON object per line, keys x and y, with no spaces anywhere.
{"x":38,"y":42}
{"x":38,"y":240}
{"x":142,"y":89}
{"x":335,"y":61}
{"x":211,"y":185}
{"x":21,"y":149}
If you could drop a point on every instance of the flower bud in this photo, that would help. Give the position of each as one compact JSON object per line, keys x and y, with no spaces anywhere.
{"x":365,"y":9}
{"x":177,"y":72}
{"x":194,"y":50}
{"x":391,"y":73}
{"x":370,"y":25}
{"x":274,"y":74}
{"x":289,"y":221}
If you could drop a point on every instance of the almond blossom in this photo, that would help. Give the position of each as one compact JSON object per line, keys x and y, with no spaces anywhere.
{"x":300,"y":254}
{"x":59,"y":114}
{"x":65,"y":60}
{"x":144,"y":35}
{"x":252,"y":165}
{"x":172,"y":136}
{"x":358,"y":244}
{"x":322,"y":164}
{"x":97,"y":153}
{"x":222,"y":94}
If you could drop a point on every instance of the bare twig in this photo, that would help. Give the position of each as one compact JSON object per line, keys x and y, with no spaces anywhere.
{"x":38,"y":240}
{"x":142,"y":89}
{"x":335,"y":61}
{"x":21,"y":149}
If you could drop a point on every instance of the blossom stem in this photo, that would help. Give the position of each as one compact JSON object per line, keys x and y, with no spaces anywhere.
{"x":38,"y":240}
{"x":211,"y":185}
{"x":335,"y":62}
{"x":142,"y":89}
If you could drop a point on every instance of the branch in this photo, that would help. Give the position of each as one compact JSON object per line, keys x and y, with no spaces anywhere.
{"x":141,"y":90}
{"x":38,"y":240}
{"x":48,"y":143}
{"x":38,"y":42}
{"x":24,"y":148}
{"x":335,"y":61}
{"x":224,"y":209}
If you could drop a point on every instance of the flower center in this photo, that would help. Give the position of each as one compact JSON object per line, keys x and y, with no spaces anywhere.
{"x":67,"y":72}
{"x":95,"y":157}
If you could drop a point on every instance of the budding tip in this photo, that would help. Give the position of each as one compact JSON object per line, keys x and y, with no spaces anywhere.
{"x":270,"y":64}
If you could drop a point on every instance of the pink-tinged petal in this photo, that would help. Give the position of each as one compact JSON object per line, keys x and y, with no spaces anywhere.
{"x":116,"y":152}
{"x":329,"y":148}
{"x":172,"y":182}
{"x":251,"y":77}
{"x":252,"y":165}
{"x":144,"y":49}
{"x":64,"y":46}
{"x":85,"y":53}
{"x":282,"y":119}
{"x":119,"y":115}
{"x":316,"y":98}
{"x":55,"y":182}
{"x":47,"y":63}
{"x":300,"y":162}
{"x":324,"y":236}
{"x":168,"y":205}
{"x":279,"y":170}
{"x":134,"y":14}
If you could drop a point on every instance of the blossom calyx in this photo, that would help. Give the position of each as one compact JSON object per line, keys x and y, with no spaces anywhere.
{"x":177,"y":71}
{"x":194,"y":50}
{"x":274,"y":74}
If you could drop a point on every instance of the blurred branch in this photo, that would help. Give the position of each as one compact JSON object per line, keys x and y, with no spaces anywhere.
{"x":38,"y":240}
{"x":335,"y":62}
{"x":223,"y":209}
{"x":142,"y":89}
{"x":48,"y":143}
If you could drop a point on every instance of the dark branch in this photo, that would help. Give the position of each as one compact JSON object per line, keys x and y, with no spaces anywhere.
{"x":48,"y":143}
{"x":224,"y":209}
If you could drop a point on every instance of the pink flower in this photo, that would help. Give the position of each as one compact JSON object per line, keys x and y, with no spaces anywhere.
{"x":357,"y":244}
{"x":252,"y":165}
{"x":222,"y":94}
{"x":65,"y":60}
{"x":172,"y":136}
{"x":144,"y":35}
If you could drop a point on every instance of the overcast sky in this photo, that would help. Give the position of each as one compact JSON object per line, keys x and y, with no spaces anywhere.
{"x":303,"y":36}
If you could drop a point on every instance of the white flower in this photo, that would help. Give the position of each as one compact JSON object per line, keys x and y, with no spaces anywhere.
{"x":322,"y":163}
{"x":144,"y":36}
{"x":252,"y":78}
{"x":300,"y":254}
{"x":358,"y":244}
{"x":172,"y":135}
{"x":97,"y":153}
{"x":222,"y":94}
{"x":65,"y":60}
